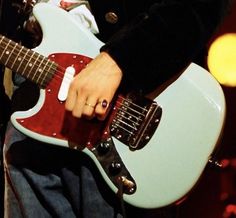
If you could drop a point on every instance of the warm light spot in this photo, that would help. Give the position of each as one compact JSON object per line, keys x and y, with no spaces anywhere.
{"x":222,"y":59}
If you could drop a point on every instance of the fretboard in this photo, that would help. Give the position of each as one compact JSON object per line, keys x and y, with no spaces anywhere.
{"x":26,"y":62}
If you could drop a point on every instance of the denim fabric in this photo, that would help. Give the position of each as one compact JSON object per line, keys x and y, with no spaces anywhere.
{"x":43,"y":180}
{"x":46,"y":181}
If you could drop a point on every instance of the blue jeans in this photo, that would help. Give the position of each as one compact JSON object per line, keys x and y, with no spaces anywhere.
{"x":43,"y":180}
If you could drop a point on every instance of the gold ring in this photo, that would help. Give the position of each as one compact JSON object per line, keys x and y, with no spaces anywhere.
{"x":90,"y":105}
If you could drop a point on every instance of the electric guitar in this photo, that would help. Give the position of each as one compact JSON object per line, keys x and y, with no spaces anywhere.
{"x":155,"y":149}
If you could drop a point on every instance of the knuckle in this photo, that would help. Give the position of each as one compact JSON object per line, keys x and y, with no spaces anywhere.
{"x":72,"y":87}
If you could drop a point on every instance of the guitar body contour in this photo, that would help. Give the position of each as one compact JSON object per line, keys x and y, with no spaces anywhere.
{"x":169,"y":166}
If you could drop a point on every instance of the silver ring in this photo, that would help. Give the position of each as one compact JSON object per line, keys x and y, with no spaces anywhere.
{"x":104,"y":103}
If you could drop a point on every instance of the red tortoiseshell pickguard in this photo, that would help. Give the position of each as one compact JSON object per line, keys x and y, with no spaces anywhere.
{"x":53,"y":120}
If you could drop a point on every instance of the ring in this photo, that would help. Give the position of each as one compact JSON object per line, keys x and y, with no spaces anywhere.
{"x":87,"y":104}
{"x":104,"y":103}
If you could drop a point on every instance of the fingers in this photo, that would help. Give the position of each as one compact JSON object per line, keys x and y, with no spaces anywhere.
{"x":74,"y":103}
{"x":83,"y":101}
{"x":102,"y":109}
{"x":88,"y":107}
{"x":93,"y":88}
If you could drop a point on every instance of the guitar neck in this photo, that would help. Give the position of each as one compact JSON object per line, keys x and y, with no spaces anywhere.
{"x":26,"y":62}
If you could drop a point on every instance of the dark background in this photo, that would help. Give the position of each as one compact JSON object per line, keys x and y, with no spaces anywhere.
{"x":215,"y":195}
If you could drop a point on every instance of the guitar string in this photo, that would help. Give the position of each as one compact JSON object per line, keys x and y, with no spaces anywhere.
{"x":124,"y":129}
{"x":124,"y":125}
{"x":128,"y":122}
{"x":46,"y":59}
{"x":23,"y":50}
{"x":134,"y":124}
{"x":117,"y":120}
{"x":36,"y":63}
{"x":135,"y":105}
{"x":122,"y":112}
{"x":43,"y":58}
{"x":130,"y":114}
{"x":125,"y":111}
{"x":54,"y":66}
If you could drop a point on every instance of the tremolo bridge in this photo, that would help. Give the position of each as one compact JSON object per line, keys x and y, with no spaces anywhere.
{"x":135,"y":121}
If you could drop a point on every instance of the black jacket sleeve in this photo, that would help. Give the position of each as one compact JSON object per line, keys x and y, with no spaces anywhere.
{"x":163,"y":40}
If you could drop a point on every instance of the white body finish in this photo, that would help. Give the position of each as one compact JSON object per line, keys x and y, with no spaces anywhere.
{"x":168,"y":167}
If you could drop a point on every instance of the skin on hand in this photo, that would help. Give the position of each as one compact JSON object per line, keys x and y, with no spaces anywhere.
{"x":98,"y":81}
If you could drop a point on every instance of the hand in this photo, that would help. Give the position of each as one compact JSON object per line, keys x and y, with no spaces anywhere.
{"x":93,"y":87}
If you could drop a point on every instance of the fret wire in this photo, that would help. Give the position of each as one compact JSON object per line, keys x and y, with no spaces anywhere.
{"x":13,"y":63}
{"x":2,"y":38}
{"x":38,"y":68}
{"x":13,"y":47}
{"x":16,"y":58}
{"x":26,"y":56}
{"x":28,"y":64}
{"x":20,"y":50}
{"x":44,"y":70}
{"x":52,"y":66}
{"x":17,"y":69}
{"x":35,"y":75}
{"x":10,"y":54}
{"x":33,"y":64}
{"x":5,"y":48}
{"x":49,"y":67}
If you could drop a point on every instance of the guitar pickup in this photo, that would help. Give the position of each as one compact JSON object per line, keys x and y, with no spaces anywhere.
{"x":64,"y":88}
